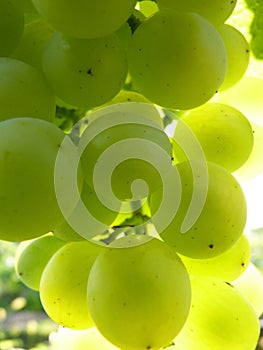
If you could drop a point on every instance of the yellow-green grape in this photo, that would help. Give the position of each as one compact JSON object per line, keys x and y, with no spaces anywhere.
{"x":135,"y":148}
{"x":250,"y":284}
{"x":227,"y":266}
{"x":216,"y":11}
{"x":63,"y":284}
{"x":183,"y":66}
{"x":222,"y":216}
{"x":220,"y":318}
{"x":86,"y":19}
{"x":223,"y":132}
{"x":237,"y":49}
{"x":139,"y":297}
{"x":24,"y":91}
{"x":85,"y":72}
{"x":32,"y":256}
{"x":28,"y":203}
{"x":71,"y":339}
{"x":11,"y":25}
{"x":147,"y":7}
{"x":33,"y":42}
{"x":101,"y":218}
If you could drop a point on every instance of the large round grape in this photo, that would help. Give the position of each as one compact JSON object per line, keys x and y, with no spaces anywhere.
{"x":177,"y":60}
{"x":139,"y":297}
{"x":28,"y":203}
{"x":227,"y":266}
{"x":224,"y":133}
{"x":220,"y":318}
{"x":216,"y":11}
{"x":11,"y":25}
{"x":250,"y":284}
{"x":237,"y":49}
{"x":126,"y":141}
{"x":85,"y":72}
{"x":33,"y":42}
{"x":24,"y":91}
{"x":93,"y":225}
{"x":32,"y":256}
{"x":86,"y":18}
{"x":221,"y":219}
{"x":63,"y":284}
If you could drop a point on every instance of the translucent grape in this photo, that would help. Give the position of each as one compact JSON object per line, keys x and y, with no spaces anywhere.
{"x":85,"y":72}
{"x":227,"y":266}
{"x":86,"y":19}
{"x":32,"y":257}
{"x":222,"y":216}
{"x":125,"y":142}
{"x":250,"y":284}
{"x":11,"y":25}
{"x":224,"y":133}
{"x":20,"y":82}
{"x":88,"y":228}
{"x":220,"y":318}
{"x":183,"y":66}
{"x":147,"y":298}
{"x":63,"y":285}
{"x":147,"y":7}
{"x":216,"y":11}
{"x":33,"y":42}
{"x":28,"y":203}
{"x":237,"y":49}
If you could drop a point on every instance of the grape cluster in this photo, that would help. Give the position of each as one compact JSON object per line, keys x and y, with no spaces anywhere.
{"x":129,"y":214}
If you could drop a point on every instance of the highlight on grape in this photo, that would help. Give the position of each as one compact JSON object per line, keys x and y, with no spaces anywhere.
{"x":122,"y":164}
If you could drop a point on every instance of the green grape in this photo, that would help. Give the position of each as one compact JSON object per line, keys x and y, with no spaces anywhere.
{"x":11,"y":25}
{"x":216,"y":11}
{"x":250,"y":284}
{"x":147,"y":297}
{"x":122,"y":145}
{"x":220,"y":318}
{"x":91,"y":339}
{"x":85,"y":72}
{"x":183,"y":66}
{"x":99,"y":220}
{"x":34,"y":40}
{"x":86,"y":19}
{"x":32,"y":257}
{"x":224,"y":133}
{"x":24,"y":91}
{"x":227,"y":266}
{"x":237,"y":49}
{"x":217,"y":212}
{"x":28,"y":203}
{"x":63,"y":284}
{"x":148,"y":7}
{"x":207,"y":317}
